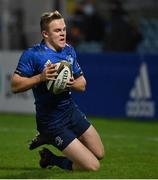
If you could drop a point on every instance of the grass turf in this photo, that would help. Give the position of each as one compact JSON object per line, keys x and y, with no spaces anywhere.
{"x":131,"y":150}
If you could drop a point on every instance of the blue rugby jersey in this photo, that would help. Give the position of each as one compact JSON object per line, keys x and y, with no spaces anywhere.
{"x":34,"y":60}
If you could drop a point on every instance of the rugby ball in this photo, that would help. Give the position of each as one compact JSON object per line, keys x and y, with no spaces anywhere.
{"x":58,"y":85}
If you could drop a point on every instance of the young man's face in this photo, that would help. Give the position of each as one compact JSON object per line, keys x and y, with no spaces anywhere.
{"x":56,"y":34}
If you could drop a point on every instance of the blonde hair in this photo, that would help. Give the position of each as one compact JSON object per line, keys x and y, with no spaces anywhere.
{"x":48,"y":17}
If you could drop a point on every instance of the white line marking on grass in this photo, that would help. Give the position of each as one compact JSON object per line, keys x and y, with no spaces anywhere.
{"x":118,"y":136}
{"x":114,"y":136}
{"x":17,"y":130}
{"x":152,"y":139}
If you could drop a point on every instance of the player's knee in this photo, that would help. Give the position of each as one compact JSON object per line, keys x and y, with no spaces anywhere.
{"x":95,"y":166}
{"x":101,"y":154}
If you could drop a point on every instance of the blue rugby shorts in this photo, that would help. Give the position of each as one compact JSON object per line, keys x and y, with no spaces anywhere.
{"x":72,"y":125}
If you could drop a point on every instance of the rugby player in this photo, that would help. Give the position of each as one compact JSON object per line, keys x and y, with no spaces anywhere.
{"x":59,"y":120}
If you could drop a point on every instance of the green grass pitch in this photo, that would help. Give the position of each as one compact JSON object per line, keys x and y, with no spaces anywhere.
{"x":131,"y":150}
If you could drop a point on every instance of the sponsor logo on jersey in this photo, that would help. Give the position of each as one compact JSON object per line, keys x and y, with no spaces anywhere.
{"x":140,"y":103}
{"x":47,"y":62}
{"x":70,"y":59}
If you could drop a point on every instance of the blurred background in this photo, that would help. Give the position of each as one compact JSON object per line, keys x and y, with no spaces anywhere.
{"x":92,"y":25}
{"x":116,"y":42}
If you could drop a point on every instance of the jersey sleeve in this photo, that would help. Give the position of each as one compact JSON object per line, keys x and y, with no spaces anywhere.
{"x":25,"y":65}
{"x":77,"y":71}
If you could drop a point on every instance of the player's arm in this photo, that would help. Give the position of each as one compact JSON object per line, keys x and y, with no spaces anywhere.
{"x":20,"y":83}
{"x":78,"y":84}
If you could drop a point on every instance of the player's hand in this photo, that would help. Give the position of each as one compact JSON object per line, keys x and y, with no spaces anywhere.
{"x":49,"y":72}
{"x":70,"y":83}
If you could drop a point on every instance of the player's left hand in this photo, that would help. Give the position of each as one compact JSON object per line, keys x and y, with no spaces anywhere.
{"x":70,"y":83}
{"x":77,"y":84}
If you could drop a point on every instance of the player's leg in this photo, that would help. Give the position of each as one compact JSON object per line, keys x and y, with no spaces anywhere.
{"x":86,"y":133}
{"x":82,"y":158}
{"x":91,"y":139}
{"x":77,"y":157}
